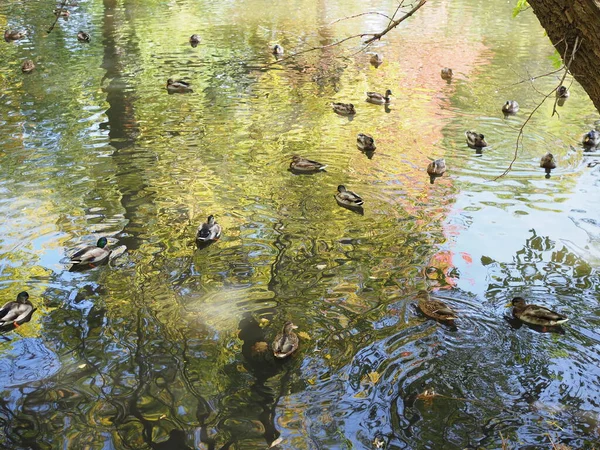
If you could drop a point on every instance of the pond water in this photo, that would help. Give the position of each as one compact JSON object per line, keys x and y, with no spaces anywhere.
{"x":158,"y":348}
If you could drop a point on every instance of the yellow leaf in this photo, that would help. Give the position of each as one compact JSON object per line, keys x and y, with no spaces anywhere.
{"x":304,"y":335}
{"x":371,"y":377}
{"x":327,"y":356}
{"x":311,"y":381}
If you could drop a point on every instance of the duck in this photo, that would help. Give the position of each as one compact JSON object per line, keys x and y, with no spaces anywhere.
{"x":548,"y":163}
{"x":510,"y":107}
{"x":447,"y":73}
{"x":591,"y":138}
{"x":378,"y":99}
{"x":376,"y":59}
{"x":475,"y":139}
{"x":82,"y":36}
{"x":209,"y":231}
{"x":92,"y":255}
{"x":562,"y":92}
{"x":348,"y":198}
{"x":365,"y":142}
{"x":435,"y":309}
{"x":16,"y":312}
{"x":59,"y":12}
{"x":536,"y":314}
{"x":286,"y":342}
{"x":178,"y":86}
{"x":436,"y":168}
{"x":343,"y":109}
{"x":27,"y":66}
{"x":303,"y":165}
{"x":277,"y":50}
{"x":11,"y":35}
{"x":194,"y":40}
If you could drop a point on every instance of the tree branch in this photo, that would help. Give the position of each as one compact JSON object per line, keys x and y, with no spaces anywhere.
{"x":395,"y":23}
{"x":358,"y":15}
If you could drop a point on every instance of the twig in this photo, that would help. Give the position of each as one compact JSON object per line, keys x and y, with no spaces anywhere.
{"x":395,"y":23}
{"x":361,"y":14}
{"x":568,"y":65}
{"x":395,"y":12}
{"x":62,"y":6}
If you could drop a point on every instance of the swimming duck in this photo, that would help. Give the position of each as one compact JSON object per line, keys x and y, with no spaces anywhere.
{"x":536,"y":314}
{"x":178,"y":86}
{"x":16,"y":312}
{"x":547,"y":162}
{"x":436,"y":168}
{"x":343,"y":109}
{"x":194,"y":40}
{"x":286,"y":342}
{"x":11,"y":35}
{"x":303,"y":165}
{"x":591,"y":139}
{"x":347,"y":198}
{"x":510,"y":107}
{"x":378,"y":99}
{"x":209,"y":231}
{"x":277,"y":50}
{"x":365,"y":142}
{"x":62,"y":12}
{"x":82,"y":36}
{"x":562,"y":92}
{"x":92,"y":256}
{"x":435,"y":309}
{"x":27,"y":66}
{"x":475,"y":140}
{"x":376,"y":59}
{"x":447,"y":73}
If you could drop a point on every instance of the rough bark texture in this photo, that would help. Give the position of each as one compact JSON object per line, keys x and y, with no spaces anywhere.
{"x":564,"y":21}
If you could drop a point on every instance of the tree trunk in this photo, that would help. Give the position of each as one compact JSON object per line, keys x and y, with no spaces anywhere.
{"x":566,"y":21}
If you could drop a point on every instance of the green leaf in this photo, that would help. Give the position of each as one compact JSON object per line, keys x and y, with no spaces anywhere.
{"x":521,"y":6}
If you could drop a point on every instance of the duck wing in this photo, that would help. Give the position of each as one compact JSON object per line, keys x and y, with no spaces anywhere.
{"x":89,"y":255}
{"x":537,"y":312}
{"x":13,"y":312}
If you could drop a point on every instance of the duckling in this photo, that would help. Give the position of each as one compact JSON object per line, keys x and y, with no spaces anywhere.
{"x":303,"y":165}
{"x":277,"y":50}
{"x":347,"y":198}
{"x":62,"y":13}
{"x":376,"y":60}
{"x":436,"y":169}
{"x":16,"y":312}
{"x":535,"y":314}
{"x":548,"y":163}
{"x":435,"y":309}
{"x":178,"y":86}
{"x":286,"y":342}
{"x":92,"y":256}
{"x":475,"y":140}
{"x":365,"y":142}
{"x":562,"y":92}
{"x":447,"y":73}
{"x":510,"y":107}
{"x":11,"y":35}
{"x":209,"y":231}
{"x":82,"y":36}
{"x":378,"y":99}
{"x":344,"y":109}
{"x":591,"y":139}
{"x":194,"y":40}
{"x":27,"y":66}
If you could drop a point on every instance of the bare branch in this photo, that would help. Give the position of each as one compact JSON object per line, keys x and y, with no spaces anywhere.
{"x":358,"y":15}
{"x":395,"y":23}
{"x":62,"y":6}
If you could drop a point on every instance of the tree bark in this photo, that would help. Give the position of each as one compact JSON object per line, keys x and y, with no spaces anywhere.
{"x":568,"y":21}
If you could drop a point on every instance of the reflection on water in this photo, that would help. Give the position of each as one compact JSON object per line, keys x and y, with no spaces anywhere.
{"x":168,"y":345}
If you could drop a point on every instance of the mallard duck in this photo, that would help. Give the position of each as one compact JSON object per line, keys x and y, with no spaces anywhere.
{"x":436,"y":168}
{"x":28,"y":66}
{"x":343,"y":109}
{"x":348,"y":198}
{"x":378,"y":99}
{"x":303,"y":165}
{"x":286,"y":342}
{"x":435,"y":309}
{"x":277,"y":50}
{"x":510,"y":107}
{"x":62,"y":12}
{"x":365,"y":142}
{"x":16,"y":312}
{"x":547,"y":162}
{"x":562,"y":92}
{"x":209,"y":231}
{"x":178,"y":86}
{"x":92,"y":256}
{"x":475,"y":140}
{"x":82,"y":36}
{"x":536,"y":314}
{"x":447,"y":73}
{"x":591,"y":138}
{"x":194,"y":40}
{"x":376,"y":59}
{"x":11,"y":35}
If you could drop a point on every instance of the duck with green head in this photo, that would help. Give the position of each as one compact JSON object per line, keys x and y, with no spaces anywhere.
{"x":286,"y":342}
{"x":82,"y":36}
{"x":365,"y":142}
{"x":379,"y":99}
{"x":562,"y":92}
{"x":277,"y":50}
{"x":16,"y":312}
{"x":348,"y":199}
{"x":92,"y":256}
{"x":209,"y":231}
